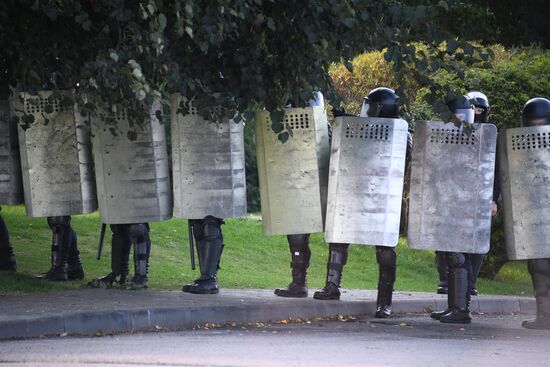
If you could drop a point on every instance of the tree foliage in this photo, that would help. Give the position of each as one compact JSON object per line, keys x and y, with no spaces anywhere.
{"x":236,"y":54}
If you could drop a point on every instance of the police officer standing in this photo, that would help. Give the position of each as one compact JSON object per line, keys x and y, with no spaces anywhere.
{"x":380,"y":102}
{"x":536,"y":112}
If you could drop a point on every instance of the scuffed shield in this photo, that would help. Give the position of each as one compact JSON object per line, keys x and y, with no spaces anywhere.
{"x":133,"y":180}
{"x":293,"y":175}
{"x":524,"y":161}
{"x":365,"y":186}
{"x":451,"y":187}
{"x":11,"y":184}
{"x":208,"y":165}
{"x":56,"y":157}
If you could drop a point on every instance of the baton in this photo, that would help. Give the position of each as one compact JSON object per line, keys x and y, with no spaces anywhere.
{"x":101,"y":237}
{"x":191,"y":244}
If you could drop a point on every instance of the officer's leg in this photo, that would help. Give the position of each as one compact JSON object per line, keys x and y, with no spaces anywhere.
{"x":387,"y":267}
{"x":301,"y":254}
{"x":74,"y":265}
{"x":540,"y":275}
{"x":442,"y":270}
{"x":139,"y":235}
{"x":120,"y":256}
{"x":7,"y":258}
{"x":337,"y":258}
{"x":458,"y":288}
{"x":209,"y":238}
{"x":476,"y":260}
{"x":61,"y":241}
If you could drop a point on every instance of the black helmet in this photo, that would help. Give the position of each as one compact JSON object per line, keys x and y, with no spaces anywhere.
{"x":481,"y":106}
{"x":461,"y":107}
{"x":381,"y":102}
{"x":536,"y":112}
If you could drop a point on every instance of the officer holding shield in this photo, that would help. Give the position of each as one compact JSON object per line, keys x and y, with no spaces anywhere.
{"x":381,"y":104}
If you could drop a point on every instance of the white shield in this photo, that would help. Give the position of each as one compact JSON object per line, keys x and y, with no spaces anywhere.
{"x":208,"y":165}
{"x":133,"y":180}
{"x":56,"y":157}
{"x":524,"y":158}
{"x":451,"y":187}
{"x":365,"y":187}
{"x":293,"y":175}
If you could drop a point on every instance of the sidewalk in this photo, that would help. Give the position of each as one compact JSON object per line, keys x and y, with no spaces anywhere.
{"x":89,"y":311}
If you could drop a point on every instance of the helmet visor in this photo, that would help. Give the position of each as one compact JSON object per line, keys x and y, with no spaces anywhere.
{"x":465,"y":115}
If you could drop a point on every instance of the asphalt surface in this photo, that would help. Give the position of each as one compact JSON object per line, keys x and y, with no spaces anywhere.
{"x":89,"y":311}
{"x":406,"y":340}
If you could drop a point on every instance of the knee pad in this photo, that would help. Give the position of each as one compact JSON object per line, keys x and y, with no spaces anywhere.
{"x":455,"y":259}
{"x":63,"y":221}
{"x":298,"y":242}
{"x":386,"y":256}
{"x":212,"y":227}
{"x":139,"y":232}
{"x":539,"y":266}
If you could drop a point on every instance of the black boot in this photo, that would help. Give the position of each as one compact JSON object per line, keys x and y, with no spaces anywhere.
{"x":299,"y":249}
{"x":139,"y":233}
{"x":539,"y":269}
{"x":7,"y":258}
{"x":75,"y":271}
{"x":460,"y":308}
{"x":208,"y":235}
{"x":443,"y":287}
{"x":436,"y":315}
{"x":338,"y":257}
{"x":120,"y":256}
{"x":61,"y":240}
{"x":387,"y":267}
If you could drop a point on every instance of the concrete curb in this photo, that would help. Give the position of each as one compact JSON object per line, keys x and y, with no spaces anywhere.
{"x":240,"y":307}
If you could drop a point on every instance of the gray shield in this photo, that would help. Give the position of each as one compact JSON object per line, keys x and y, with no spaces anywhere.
{"x":11,"y":184}
{"x":56,"y":158}
{"x":133,"y":181}
{"x":451,"y":187}
{"x":208,"y":165}
{"x":293,"y":175}
{"x":524,"y":161}
{"x":365,"y":186}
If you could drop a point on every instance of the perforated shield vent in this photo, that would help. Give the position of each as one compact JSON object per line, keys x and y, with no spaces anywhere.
{"x":40,"y":105}
{"x":451,"y":136}
{"x":530,"y":141}
{"x":122,"y":114}
{"x":294,"y":120}
{"x":368,"y":131}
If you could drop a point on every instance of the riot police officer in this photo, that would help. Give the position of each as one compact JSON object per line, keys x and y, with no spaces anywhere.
{"x":458,"y":297}
{"x":380,"y":102}
{"x":298,"y":244}
{"x":482,"y":110}
{"x":537,"y":112}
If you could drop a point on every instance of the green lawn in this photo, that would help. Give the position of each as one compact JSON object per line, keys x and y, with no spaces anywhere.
{"x":250,"y":259}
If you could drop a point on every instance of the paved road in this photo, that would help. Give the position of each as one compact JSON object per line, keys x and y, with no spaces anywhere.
{"x":492,"y":340}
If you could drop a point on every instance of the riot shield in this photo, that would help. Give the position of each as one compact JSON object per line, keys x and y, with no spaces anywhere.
{"x":293,"y":175}
{"x":208,"y":165}
{"x":524,"y":161}
{"x":11,"y":184}
{"x":365,"y":186}
{"x":451,"y":187}
{"x":133,"y":181}
{"x":56,"y":159}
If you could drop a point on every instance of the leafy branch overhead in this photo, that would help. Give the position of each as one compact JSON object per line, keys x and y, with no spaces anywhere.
{"x":238,"y":55}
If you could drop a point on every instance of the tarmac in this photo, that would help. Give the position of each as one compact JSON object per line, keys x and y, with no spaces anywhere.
{"x":111,"y":311}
